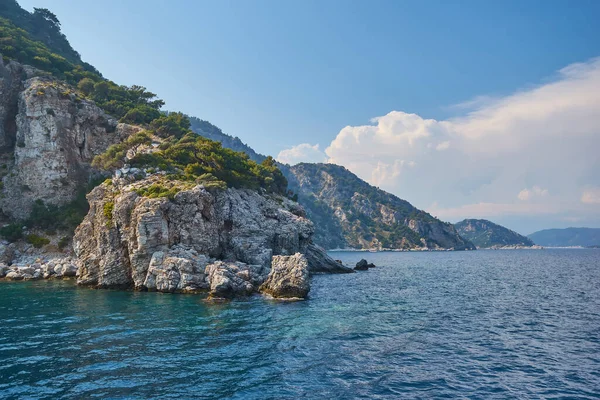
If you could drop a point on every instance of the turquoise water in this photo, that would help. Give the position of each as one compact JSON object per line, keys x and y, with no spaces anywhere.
{"x":486,"y":324}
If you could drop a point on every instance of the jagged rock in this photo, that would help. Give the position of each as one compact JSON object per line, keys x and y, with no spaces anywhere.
{"x":320,"y":262}
{"x":133,"y":247}
{"x":178,"y":270}
{"x":53,"y":135}
{"x":3,"y":271}
{"x":230,"y":279}
{"x":289,"y":277}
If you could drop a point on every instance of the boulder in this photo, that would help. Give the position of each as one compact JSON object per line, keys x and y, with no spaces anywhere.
{"x":289,"y":277}
{"x":178,"y":270}
{"x":14,"y":276}
{"x":3,"y":271}
{"x":363,"y":265}
{"x":230,"y":279}
{"x":69,"y":270}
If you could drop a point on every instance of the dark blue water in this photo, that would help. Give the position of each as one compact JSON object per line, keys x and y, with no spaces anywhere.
{"x":486,"y":324}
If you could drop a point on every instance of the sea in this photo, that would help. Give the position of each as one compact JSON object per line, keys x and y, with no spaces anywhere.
{"x":522,"y":324}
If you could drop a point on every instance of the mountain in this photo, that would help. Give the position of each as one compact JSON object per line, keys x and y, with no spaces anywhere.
{"x":347,"y":211}
{"x":486,"y":234}
{"x":567,"y":237}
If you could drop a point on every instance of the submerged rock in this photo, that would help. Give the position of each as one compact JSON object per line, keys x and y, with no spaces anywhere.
{"x":289,"y":277}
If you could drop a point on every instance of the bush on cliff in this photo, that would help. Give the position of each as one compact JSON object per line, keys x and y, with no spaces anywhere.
{"x":186,"y":156}
{"x":37,"y":241}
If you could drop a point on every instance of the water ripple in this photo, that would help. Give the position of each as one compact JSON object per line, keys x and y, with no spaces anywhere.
{"x":522,"y":324}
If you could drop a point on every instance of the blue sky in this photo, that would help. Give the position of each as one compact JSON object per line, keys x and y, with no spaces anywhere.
{"x":282,"y":73}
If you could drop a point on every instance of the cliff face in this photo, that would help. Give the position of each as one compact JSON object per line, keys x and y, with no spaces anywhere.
{"x":48,"y":138}
{"x":352,"y":213}
{"x":223,"y":240}
{"x":486,"y":234}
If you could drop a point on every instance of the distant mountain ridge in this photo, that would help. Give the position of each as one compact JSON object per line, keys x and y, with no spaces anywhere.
{"x":567,"y":237}
{"x":486,"y":234}
{"x":347,"y":211}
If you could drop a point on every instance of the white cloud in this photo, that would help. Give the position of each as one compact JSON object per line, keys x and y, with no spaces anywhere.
{"x":304,"y":152}
{"x":443,"y":146}
{"x":548,"y":135}
{"x":591,"y":195}
{"x":535,"y":191}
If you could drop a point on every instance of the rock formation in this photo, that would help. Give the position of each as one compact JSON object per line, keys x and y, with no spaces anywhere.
{"x":48,"y":138}
{"x":288,"y":277}
{"x":222,"y":240}
{"x":363,"y":265}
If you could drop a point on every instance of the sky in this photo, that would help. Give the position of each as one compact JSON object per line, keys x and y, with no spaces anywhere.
{"x":467,"y":109}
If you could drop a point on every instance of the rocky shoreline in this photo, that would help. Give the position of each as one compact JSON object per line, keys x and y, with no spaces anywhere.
{"x":56,"y":268}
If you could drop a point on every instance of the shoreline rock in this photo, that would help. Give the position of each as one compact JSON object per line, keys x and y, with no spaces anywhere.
{"x":363,"y":265}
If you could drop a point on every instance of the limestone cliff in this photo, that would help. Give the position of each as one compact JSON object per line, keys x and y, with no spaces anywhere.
{"x":48,"y":138}
{"x":222,"y":240}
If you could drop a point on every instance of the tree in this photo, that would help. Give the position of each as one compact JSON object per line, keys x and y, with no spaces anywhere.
{"x":86,"y":85}
{"x":101,"y":90}
{"x":173,"y":124}
{"x":48,"y":16}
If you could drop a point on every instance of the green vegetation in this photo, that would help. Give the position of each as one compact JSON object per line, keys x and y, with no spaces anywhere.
{"x":108,"y":211}
{"x":12,"y":232}
{"x":483,"y":233}
{"x":37,"y":241}
{"x":186,"y":156}
{"x":35,"y":39}
{"x":63,"y":242}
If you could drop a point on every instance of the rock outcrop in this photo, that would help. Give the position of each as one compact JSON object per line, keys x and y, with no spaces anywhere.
{"x":48,"y":138}
{"x":363,"y":265}
{"x":289,"y":277}
{"x":221,"y":240}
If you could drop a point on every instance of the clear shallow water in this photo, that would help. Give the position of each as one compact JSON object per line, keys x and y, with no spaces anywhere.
{"x":486,"y":324}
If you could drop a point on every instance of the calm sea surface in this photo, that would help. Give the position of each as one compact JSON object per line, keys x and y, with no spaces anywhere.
{"x":485,"y":324}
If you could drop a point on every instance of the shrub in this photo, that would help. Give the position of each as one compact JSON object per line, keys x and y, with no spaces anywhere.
{"x":109,"y":206}
{"x":12,"y":232}
{"x":37,"y":241}
{"x":63,"y":242}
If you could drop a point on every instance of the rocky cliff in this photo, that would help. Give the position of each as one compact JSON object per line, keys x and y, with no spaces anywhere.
{"x":486,"y":234}
{"x":224,"y":241}
{"x":48,"y":138}
{"x":348,"y":212}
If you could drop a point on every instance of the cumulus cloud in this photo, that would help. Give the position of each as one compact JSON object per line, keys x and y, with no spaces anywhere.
{"x":535,"y":191}
{"x":304,"y":152}
{"x":532,"y":143}
{"x":591,"y":195}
